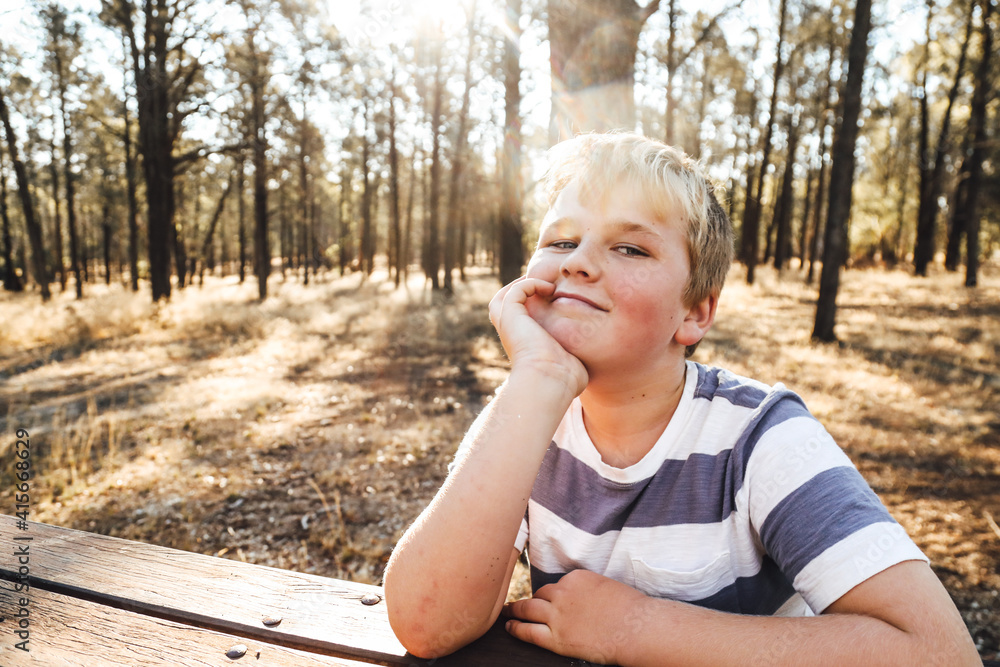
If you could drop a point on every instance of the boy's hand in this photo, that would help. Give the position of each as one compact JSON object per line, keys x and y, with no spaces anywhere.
{"x":526,"y":343}
{"x":584,"y":615}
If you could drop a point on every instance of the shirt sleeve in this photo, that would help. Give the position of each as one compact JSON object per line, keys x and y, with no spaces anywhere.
{"x":522,"y":534}
{"x":813,"y":511}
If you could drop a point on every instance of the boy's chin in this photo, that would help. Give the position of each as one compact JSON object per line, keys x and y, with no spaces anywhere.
{"x":571,"y":336}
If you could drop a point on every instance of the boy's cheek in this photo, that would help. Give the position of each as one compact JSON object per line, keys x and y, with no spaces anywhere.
{"x":541,"y":269}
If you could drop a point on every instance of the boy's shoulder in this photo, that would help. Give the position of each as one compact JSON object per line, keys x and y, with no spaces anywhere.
{"x":715,"y":383}
{"x":728,"y":411}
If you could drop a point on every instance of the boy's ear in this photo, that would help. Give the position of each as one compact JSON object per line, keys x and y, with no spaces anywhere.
{"x":698,"y":321}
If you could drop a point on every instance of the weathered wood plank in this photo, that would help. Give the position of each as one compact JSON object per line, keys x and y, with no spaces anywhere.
{"x":67,"y":631}
{"x":317,"y":614}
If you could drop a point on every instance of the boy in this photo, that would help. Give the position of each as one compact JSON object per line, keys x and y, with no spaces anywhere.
{"x":675,"y":513}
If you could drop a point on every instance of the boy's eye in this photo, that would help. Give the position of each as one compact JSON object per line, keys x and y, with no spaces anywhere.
{"x":563,"y":245}
{"x":631,"y":251}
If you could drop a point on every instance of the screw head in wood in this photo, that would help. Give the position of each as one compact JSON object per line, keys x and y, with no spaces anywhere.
{"x":271,"y":621}
{"x":370,"y":599}
{"x":237,"y":651}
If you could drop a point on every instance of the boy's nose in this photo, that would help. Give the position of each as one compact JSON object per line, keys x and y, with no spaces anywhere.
{"x":580,"y":262}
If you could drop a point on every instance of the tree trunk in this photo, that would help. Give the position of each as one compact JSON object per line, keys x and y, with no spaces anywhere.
{"x":74,"y":243}
{"x":262,"y":251}
{"x":592,"y":46}
{"x":706,"y":92}
{"x":11,"y":281}
{"x":927,"y":212}
{"x":406,"y":247}
{"x":451,"y":249}
{"x":957,"y":220}
{"x":155,"y":142}
{"x":923,"y":250}
{"x":177,"y":240}
{"x":511,"y":246}
{"x":133,"y":208}
{"x":206,"y":245}
{"x":57,"y":235}
{"x":375,"y":201}
{"x":786,"y":199}
{"x":366,"y":249}
{"x":241,"y":216}
{"x":395,"y":234}
{"x":286,"y":249}
{"x":433,"y":217}
{"x":158,"y":167}
{"x":807,"y":204}
{"x":977,"y":122}
{"x":751,"y":216}
{"x":303,"y":193}
{"x":897,"y":243}
{"x":84,"y":248}
{"x":750,"y":167}
{"x":258,"y":141}
{"x":842,"y":177}
{"x":106,"y":229}
{"x":671,"y":64}
{"x":27,"y":206}
{"x":673,"y":61}
{"x":821,"y":185}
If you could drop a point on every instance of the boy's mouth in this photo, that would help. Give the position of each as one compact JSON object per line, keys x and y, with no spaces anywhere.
{"x":570,"y":297}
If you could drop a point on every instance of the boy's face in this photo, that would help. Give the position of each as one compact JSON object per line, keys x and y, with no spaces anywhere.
{"x":619,"y":275}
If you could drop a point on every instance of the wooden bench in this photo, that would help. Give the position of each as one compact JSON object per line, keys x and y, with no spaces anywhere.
{"x":94,"y":600}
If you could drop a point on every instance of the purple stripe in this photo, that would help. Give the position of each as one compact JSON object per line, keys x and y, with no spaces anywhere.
{"x":682,"y":491}
{"x":761,"y":594}
{"x":718,"y":383}
{"x":699,"y":489}
{"x":541,"y":578}
{"x":831,"y":506}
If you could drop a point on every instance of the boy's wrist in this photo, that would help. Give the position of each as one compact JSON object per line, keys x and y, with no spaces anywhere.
{"x":646,"y":618}
{"x":554,"y":387}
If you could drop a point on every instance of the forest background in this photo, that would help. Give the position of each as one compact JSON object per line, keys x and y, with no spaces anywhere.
{"x":247,"y":246}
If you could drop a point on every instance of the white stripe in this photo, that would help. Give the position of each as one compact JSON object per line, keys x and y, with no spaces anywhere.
{"x":684,"y":561}
{"x":854,"y":559}
{"x":697,"y":427}
{"x":786,"y":457}
{"x":794,"y":606}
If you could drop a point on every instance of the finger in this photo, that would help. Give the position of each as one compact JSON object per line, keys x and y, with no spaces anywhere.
{"x":536,"y":286}
{"x":496,"y":303}
{"x":515,"y":294}
{"x":523,"y":289}
{"x":534,"y":610}
{"x":538,"y":634}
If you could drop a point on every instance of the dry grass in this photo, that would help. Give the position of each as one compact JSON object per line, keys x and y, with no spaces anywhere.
{"x":306,"y":432}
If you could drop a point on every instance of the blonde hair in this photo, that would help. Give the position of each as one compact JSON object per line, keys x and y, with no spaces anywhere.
{"x":672,"y":185}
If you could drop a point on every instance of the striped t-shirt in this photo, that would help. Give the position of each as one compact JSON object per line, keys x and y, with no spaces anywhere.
{"x":745,"y":504}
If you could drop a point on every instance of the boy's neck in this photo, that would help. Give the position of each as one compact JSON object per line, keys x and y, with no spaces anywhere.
{"x":625,"y":420}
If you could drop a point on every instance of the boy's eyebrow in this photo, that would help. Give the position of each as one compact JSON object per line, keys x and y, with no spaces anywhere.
{"x":623,"y":226}
{"x":630,"y":226}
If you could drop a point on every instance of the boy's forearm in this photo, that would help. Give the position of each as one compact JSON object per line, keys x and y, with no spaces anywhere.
{"x":674,"y":633}
{"x":447,"y":572}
